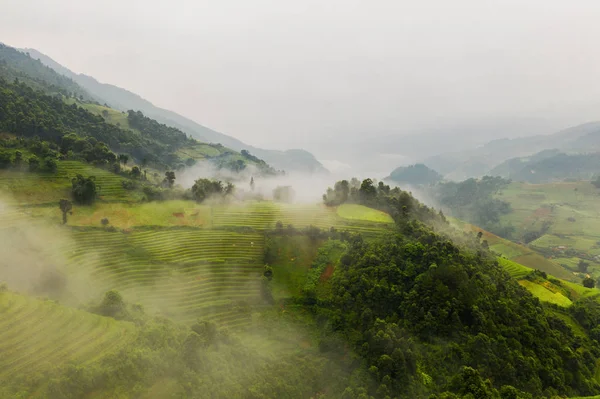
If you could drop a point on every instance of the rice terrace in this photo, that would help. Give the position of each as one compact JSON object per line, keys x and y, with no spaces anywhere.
{"x":421,"y":222}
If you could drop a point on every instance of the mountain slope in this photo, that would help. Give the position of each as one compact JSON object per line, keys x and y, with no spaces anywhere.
{"x":13,"y":65}
{"x":550,"y":165}
{"x":296,"y":160}
{"x":479,"y":161}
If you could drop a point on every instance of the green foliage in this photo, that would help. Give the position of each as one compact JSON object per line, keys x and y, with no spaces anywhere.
{"x":472,"y":200}
{"x":17,"y":65}
{"x":84,"y":189}
{"x":417,"y":174}
{"x":65,"y":207}
{"x":397,"y":298}
{"x":328,"y":255}
{"x":169,"y":179}
{"x":207,"y":188}
{"x":589,"y":282}
{"x":400,"y":205}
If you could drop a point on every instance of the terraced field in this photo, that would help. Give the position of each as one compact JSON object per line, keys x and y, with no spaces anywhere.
{"x":518,"y":253}
{"x":184,"y":273}
{"x":36,"y":336}
{"x":40,"y":188}
{"x":264,"y":215}
{"x":568,"y":215}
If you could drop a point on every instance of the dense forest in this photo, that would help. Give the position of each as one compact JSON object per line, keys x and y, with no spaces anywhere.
{"x":473,"y":200}
{"x":34,"y":114}
{"x":416,"y":175}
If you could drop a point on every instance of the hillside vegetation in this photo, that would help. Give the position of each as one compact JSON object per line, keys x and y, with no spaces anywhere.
{"x":118,"y":282}
{"x":294,"y":160}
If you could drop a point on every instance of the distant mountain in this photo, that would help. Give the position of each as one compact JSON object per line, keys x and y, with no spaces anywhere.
{"x":418,"y":174}
{"x":480,"y":161}
{"x":550,"y":165}
{"x":296,"y":160}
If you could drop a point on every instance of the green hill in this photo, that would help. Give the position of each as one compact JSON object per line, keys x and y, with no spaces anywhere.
{"x":549,"y":166}
{"x":37,"y":336}
{"x":295,"y":160}
{"x":417,"y":174}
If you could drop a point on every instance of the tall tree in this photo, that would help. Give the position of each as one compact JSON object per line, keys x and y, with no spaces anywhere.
{"x":65,"y":207}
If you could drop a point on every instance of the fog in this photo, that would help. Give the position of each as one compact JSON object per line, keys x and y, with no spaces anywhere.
{"x":338,"y":78}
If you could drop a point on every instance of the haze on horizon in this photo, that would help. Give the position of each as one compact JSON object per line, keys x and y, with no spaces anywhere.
{"x":330,"y":76}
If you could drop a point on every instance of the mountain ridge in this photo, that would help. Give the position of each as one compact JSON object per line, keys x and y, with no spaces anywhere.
{"x":477,"y":162}
{"x":291,"y":160}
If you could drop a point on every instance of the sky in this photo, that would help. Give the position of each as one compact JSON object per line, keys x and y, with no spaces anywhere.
{"x":318,"y":74}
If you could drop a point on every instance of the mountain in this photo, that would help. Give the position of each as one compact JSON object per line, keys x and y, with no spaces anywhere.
{"x":480,"y":161}
{"x":417,"y":174}
{"x":37,"y":102}
{"x":549,"y":166}
{"x":13,"y":65}
{"x":296,"y":160}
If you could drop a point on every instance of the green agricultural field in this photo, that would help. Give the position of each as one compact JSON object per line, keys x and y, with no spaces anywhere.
{"x":361,"y":212}
{"x":570,"y":210}
{"x":519,"y":253}
{"x":43,"y":188}
{"x":515,"y":269}
{"x":37,"y":336}
{"x":202,"y":150}
{"x":110,"y":115}
{"x":546,"y":295}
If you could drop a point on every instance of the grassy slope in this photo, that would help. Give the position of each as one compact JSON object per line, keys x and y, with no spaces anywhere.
{"x":177,"y":258}
{"x":47,"y":188}
{"x":36,"y":335}
{"x":196,"y":151}
{"x":360,"y":212}
{"x":546,"y":295}
{"x":573,"y":209}
{"x":519,"y":253}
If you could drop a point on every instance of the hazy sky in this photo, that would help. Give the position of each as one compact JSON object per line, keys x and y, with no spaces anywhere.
{"x":291,"y":73}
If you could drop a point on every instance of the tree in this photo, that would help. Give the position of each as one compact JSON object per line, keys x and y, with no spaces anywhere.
{"x":589,"y":282}
{"x":367,"y":191}
{"x":50,"y":164}
{"x":18,"y":157}
{"x":65,"y":207}
{"x":582,"y":266}
{"x":204,"y":188}
{"x":252,"y":183}
{"x":84,"y":190}
{"x":112,"y":305}
{"x":5,"y":159}
{"x":34,"y":163}
{"x":268,"y":272}
{"x":104,"y":222}
{"x":123,"y":158}
{"x":169,"y":179}
{"x":136,"y":172}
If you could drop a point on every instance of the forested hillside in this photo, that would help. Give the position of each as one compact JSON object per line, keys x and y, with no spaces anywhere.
{"x":296,"y":160}
{"x":549,"y":166}
{"x":415,"y":175}
{"x":117,"y":282}
{"x":30,"y":113}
